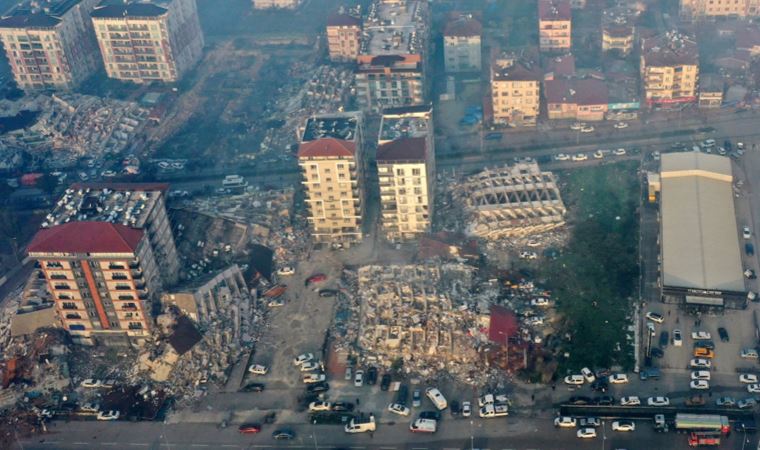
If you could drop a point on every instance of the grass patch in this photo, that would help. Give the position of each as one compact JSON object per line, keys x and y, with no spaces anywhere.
{"x":596,"y":276}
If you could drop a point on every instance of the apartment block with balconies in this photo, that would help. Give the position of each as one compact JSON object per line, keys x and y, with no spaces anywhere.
{"x":332,"y":164}
{"x":50,"y":45}
{"x":669,"y":69}
{"x":102,"y":277}
{"x":344,"y":34}
{"x":554,"y":25}
{"x":618,"y":31}
{"x":710,"y":9}
{"x":515,"y":91}
{"x":146,"y":42}
{"x":461,"y":43}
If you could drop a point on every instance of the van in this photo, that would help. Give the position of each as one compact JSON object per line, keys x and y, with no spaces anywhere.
{"x":437,"y":398}
{"x":361,"y":424}
{"x":423,"y":426}
{"x":701,"y":352}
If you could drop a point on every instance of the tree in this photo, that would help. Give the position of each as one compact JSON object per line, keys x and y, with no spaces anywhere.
{"x":48,"y":183}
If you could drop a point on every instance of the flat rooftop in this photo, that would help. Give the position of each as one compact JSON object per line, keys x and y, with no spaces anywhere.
{"x":395,"y":28}
{"x":700,"y":238}
{"x":670,"y":49}
{"x":127,"y":204}
{"x":341,"y":126}
{"x":405,"y":123}
{"x":36,"y":14}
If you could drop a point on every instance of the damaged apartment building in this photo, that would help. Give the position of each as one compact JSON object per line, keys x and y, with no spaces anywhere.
{"x":419,"y":313}
{"x":511,"y":201}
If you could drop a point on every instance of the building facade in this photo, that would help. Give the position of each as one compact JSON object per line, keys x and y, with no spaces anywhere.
{"x":705,"y":9}
{"x":669,"y":69}
{"x":50,"y":47}
{"x":461,"y":44}
{"x":579,"y":99}
{"x":710,"y":91}
{"x":145,"y":42}
{"x":406,"y":171}
{"x":554,"y":25}
{"x":618,"y":32}
{"x":344,"y":34}
{"x":332,"y":164}
{"x":100,"y":275}
{"x":515,"y":92}
{"x":392,"y":66}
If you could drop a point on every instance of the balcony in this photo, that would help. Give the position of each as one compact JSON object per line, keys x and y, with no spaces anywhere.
{"x":116,"y":267}
{"x":125,"y":297}
{"x":73,"y":316}
{"x":129,"y":307}
{"x":123,"y":287}
{"x":58,"y":276}
{"x":62,"y":286}
{"x":119,"y":277}
{"x":135,"y":326}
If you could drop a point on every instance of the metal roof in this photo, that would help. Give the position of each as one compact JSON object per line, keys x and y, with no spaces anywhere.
{"x":700,"y":240}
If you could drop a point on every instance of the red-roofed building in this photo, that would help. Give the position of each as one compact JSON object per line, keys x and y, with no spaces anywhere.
{"x":330,"y":156}
{"x":503,"y":325}
{"x":100,"y":275}
{"x":585,"y":99}
{"x":554,"y":25}
{"x":344,"y":34}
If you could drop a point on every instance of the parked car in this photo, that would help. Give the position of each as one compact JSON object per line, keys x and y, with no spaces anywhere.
{"x":372,"y":376}
{"x":303,"y":358}
{"x":253,"y":387}
{"x":574,"y":379}
{"x":705,"y":343}
{"x":258,"y":369}
{"x":311,"y":378}
{"x":342,"y":406}
{"x":359,"y":378}
{"x":493,"y":136}
{"x":664,"y":339}
{"x":746,"y":403}
{"x":749,"y":249}
{"x":249,"y":428}
{"x":630,"y":401}
{"x":618,"y":378}
{"x":416,"y":398}
{"x":723,"y":335}
{"x":699,"y":384}
{"x":746,"y":232}
{"x":325,"y":293}
{"x":656,"y":352}
{"x":580,"y":400}
{"x":587,"y":129}
{"x":600,"y":385}
{"x":586,"y":433}
{"x":399,"y":409}
{"x":316,"y":278}
{"x":283,"y":434}
{"x":655,"y":317}
{"x":580,"y":157}
{"x":620,"y":125}
{"x":677,"y":338}
{"x":701,"y":375}
{"x":319,"y":406}
{"x":623,"y":425}
{"x":317,"y":388}
{"x":589,"y":422}
{"x":565,"y":422}
{"x":605,"y":400}
{"x":725,"y":401}
{"x":466,"y":409}
{"x":92,"y":383}
{"x":385,"y":382}
{"x":310,"y":366}
{"x":748,"y":353}
{"x":285,"y":271}
{"x":562,"y":157}
{"x":108,"y":415}
{"x":588,"y":375}
{"x":430,"y":415}
{"x":753,"y":388}
{"x":658,"y":401}
{"x":747,"y":378}
{"x":619,"y":152}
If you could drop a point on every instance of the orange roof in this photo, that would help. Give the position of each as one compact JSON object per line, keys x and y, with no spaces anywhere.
{"x":326,"y":147}
{"x":86,"y":237}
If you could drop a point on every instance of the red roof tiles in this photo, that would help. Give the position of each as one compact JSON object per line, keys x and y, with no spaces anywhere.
{"x":326,"y":147}
{"x":86,"y":237}
{"x":404,"y":149}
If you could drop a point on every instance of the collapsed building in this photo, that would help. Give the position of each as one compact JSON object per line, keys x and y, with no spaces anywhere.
{"x":511,"y":201}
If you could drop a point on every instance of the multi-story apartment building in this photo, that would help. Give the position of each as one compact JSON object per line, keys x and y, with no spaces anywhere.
{"x":554,"y":25}
{"x":276,"y":4}
{"x":406,"y":171}
{"x":461,"y":43}
{"x":145,"y":42}
{"x":669,"y":69}
{"x":580,"y":99}
{"x":344,"y":33}
{"x":100,"y":275}
{"x":703,"y":9}
{"x":332,"y":163}
{"x":137,"y":205}
{"x":50,"y":44}
{"x":515,"y":91}
{"x":392,"y":63}
{"x":618,"y":31}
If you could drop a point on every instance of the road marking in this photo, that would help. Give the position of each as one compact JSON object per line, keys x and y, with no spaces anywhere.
{"x":108,"y":443}
{"x":229,"y":445}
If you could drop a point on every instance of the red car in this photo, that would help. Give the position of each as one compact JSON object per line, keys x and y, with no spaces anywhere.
{"x":249,"y":428}
{"x":316,"y":278}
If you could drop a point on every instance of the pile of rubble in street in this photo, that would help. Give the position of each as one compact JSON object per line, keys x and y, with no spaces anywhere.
{"x":74,"y":125}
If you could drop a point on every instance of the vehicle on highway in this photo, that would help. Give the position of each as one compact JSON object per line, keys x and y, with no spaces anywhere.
{"x":311,"y":378}
{"x":249,"y":428}
{"x":586,"y":433}
{"x":699,"y":384}
{"x":747,"y":378}
{"x":588,"y":375}
{"x":310,"y":366}
{"x":631,"y":400}
{"x":700,"y":335}
{"x":723,"y":333}
{"x":748,"y":353}
{"x":753,"y":388}
{"x":286,"y":270}
{"x":359,"y":378}
{"x":253,"y":387}
{"x":623,"y":425}
{"x":316,"y":278}
{"x":725,"y":401}
{"x":620,"y":125}
{"x":658,"y":401}
{"x":437,"y":398}
{"x":574,"y":379}
{"x":677,"y":338}
{"x":655,"y":317}
{"x":565,"y":422}
{"x":746,"y":232}
{"x":303,"y":358}
{"x":493,"y":136}
{"x":258,"y":369}
{"x":561,"y":157}
{"x":589,"y":422}
{"x":108,"y":415}
{"x":598,"y":154}
{"x":399,"y":409}
{"x":700,"y":375}
{"x":618,"y":378}
{"x":619,"y":152}
{"x":746,"y":403}
{"x":423,"y":426}
{"x":283,"y":434}
{"x":466,"y":409}
{"x":319,"y":406}
{"x":316,"y":388}
{"x":587,"y":129}
{"x":580,"y":157}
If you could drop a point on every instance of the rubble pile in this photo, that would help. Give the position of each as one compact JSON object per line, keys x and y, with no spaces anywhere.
{"x":424,"y":314}
{"x":518,"y":200}
{"x":74,"y":125}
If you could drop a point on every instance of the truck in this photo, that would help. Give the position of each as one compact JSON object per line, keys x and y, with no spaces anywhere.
{"x":702,"y":422}
{"x":234,"y":181}
{"x":361,"y":424}
{"x":494,"y":410}
{"x":704,"y":439}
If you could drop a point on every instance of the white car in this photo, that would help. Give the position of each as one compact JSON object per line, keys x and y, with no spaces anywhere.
{"x":749,"y":353}
{"x":658,"y":401}
{"x":619,"y":152}
{"x":258,"y":369}
{"x":618,"y":378}
{"x":753,"y":388}
{"x":623,"y":425}
{"x":746,"y":232}
{"x":588,"y":375}
{"x":587,"y":129}
{"x":620,"y":125}
{"x":586,"y":433}
{"x":699,"y":385}
{"x":580,"y":157}
{"x":319,"y":406}
{"x":565,"y":422}
{"x":310,"y":366}
{"x":303,"y":358}
{"x":747,"y":378}
{"x":401,"y":410}
{"x":655,"y":317}
{"x":700,"y":363}
{"x":287,"y":270}
{"x":528,"y":255}
{"x":540,"y":301}
{"x":108,"y":415}
{"x":700,"y":335}
{"x":589,"y":422}
{"x":700,"y":375}
{"x":92,"y":383}
{"x":466,"y":409}
{"x":598,"y":154}
{"x":90,"y":407}
{"x":677,"y":338}
{"x":532,"y":243}
{"x":574,"y":379}
{"x":562,"y":157}
{"x":359,"y":378}
{"x":311,"y":378}
{"x":577,"y":126}
{"x":630,"y":401}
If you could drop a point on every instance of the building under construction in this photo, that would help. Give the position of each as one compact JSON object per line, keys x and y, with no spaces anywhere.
{"x":511,"y":201}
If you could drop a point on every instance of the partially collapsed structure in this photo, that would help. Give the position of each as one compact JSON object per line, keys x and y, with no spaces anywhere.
{"x":517,"y":200}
